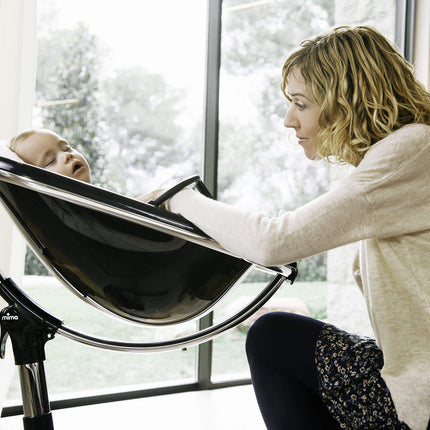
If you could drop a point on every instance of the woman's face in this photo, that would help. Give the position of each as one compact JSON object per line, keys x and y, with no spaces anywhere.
{"x":302,"y":115}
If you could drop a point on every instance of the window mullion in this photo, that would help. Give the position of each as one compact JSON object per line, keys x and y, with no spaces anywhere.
{"x":210,"y":154}
{"x":405,"y":26}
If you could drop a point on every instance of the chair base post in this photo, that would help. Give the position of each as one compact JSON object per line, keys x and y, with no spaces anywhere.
{"x":35,"y":402}
{"x":28,"y":333}
{"x":41,"y":422}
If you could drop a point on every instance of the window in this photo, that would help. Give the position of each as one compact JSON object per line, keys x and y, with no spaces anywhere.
{"x":124,"y":82}
{"x":259,"y":165}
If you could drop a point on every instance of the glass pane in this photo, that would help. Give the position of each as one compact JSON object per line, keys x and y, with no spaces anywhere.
{"x":81,"y":370}
{"x":123,"y":82}
{"x":260,"y":166}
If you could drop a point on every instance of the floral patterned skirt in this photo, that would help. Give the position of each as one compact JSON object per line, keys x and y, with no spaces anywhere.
{"x":350,"y":381}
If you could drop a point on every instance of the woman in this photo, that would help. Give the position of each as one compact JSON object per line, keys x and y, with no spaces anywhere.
{"x":353,"y":99}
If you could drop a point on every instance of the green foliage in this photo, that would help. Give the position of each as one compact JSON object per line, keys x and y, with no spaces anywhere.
{"x":259,"y":37}
{"x":143,"y":133}
{"x":33,"y":266}
{"x":68,"y":69}
{"x":313,"y":268}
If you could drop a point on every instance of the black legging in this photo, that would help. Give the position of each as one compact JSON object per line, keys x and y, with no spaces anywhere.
{"x":281,"y":354}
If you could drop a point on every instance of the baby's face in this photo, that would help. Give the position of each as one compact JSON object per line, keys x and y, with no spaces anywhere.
{"x":50,"y":151}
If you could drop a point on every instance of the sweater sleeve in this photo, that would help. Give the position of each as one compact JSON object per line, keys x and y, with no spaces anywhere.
{"x":375,"y":201}
{"x":327,"y":222}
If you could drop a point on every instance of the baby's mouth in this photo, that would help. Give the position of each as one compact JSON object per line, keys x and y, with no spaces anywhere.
{"x":76,"y":167}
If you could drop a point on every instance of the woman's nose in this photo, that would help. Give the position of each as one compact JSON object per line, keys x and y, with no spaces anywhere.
{"x":290,"y":120}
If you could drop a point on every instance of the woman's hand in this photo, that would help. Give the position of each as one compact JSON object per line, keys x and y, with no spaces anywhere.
{"x":151,"y":195}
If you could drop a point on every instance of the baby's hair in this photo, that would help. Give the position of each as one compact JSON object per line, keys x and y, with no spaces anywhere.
{"x":18,"y":139}
{"x":364,"y":87}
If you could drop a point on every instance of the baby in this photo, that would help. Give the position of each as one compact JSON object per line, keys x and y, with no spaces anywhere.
{"x":48,"y":150}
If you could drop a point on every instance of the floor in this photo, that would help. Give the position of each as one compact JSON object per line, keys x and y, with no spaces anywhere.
{"x":221,"y":409}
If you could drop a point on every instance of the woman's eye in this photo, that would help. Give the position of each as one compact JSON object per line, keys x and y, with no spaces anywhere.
{"x":300,"y":106}
{"x":49,"y":162}
{"x":67,"y":148}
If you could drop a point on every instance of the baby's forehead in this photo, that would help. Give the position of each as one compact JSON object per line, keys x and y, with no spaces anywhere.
{"x":36,"y":146}
{"x":44,"y":139}
{"x":46,"y":134}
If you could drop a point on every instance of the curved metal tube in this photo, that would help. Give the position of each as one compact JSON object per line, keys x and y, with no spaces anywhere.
{"x":183,"y":342}
{"x":177,"y":231}
{"x":111,"y":287}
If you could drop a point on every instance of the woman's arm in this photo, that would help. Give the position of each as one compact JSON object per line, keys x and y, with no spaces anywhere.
{"x":387,"y":195}
{"x":327,"y":222}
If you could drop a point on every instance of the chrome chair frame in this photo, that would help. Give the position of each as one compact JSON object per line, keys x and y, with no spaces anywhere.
{"x":30,"y":327}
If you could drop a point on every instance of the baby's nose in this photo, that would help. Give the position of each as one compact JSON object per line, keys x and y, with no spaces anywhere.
{"x":67,"y":157}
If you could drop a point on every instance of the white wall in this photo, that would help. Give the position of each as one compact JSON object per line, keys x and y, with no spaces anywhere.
{"x":17,"y":81}
{"x":422,"y":42}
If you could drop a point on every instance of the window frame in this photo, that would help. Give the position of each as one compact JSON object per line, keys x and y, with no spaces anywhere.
{"x":404,"y":38}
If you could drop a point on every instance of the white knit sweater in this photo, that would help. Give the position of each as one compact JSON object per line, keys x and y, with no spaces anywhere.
{"x":385,"y":204}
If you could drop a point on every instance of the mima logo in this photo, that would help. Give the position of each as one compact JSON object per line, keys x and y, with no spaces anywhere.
{"x":9,"y":317}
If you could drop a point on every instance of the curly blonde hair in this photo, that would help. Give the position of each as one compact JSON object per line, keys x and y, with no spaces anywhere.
{"x":364,"y":87}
